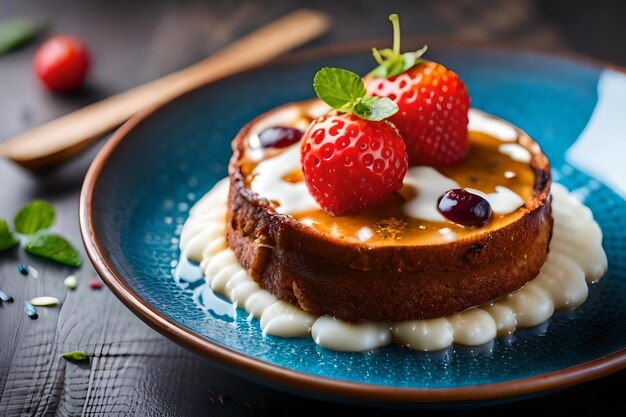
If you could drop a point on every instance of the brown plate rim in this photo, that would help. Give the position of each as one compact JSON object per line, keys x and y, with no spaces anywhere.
{"x":298,"y":381}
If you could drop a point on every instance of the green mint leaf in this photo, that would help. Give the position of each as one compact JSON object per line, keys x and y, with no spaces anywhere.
{"x":344,"y":90}
{"x":339,"y":88}
{"x":15,"y":33}
{"x":77,"y":356}
{"x":36,"y":216}
{"x":7,"y":240}
{"x":54,"y":248}
{"x":375,"y":108}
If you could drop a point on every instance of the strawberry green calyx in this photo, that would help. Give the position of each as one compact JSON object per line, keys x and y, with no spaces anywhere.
{"x":344,"y":90}
{"x":390,"y":61}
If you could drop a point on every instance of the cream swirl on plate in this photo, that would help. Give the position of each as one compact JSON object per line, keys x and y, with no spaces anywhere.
{"x":576,"y":258}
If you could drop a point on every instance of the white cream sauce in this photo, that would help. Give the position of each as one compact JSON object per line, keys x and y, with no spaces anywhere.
{"x":482,"y":122}
{"x":430,"y":185}
{"x":502,"y":201}
{"x":268,"y":182}
{"x":516,"y":152}
{"x":576,"y":258}
{"x":335,"y":334}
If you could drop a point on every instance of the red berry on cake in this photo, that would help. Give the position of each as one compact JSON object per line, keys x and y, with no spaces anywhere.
{"x":433,"y":103}
{"x":465,"y":208}
{"x":279,"y":137}
{"x":350,"y":163}
{"x":351,"y":158}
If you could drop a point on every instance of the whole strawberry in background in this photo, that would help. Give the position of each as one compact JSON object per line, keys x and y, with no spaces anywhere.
{"x":351,"y":158}
{"x":433,"y":103}
{"x":62,"y":63}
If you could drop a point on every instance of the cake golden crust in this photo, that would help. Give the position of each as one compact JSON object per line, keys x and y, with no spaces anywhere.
{"x":357,"y":281}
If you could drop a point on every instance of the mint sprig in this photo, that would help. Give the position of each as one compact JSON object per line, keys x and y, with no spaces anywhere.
{"x":54,"y":248}
{"x":16,"y":33}
{"x":390,"y":61}
{"x":32,"y":222}
{"x":344,"y":90}
{"x":35,"y":216}
{"x":7,"y":240}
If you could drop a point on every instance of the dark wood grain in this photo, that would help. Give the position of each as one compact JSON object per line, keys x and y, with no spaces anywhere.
{"x":133,"y":370}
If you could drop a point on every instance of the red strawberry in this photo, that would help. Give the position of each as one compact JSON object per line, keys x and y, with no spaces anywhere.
{"x":433,"y":103}
{"x":350,"y":163}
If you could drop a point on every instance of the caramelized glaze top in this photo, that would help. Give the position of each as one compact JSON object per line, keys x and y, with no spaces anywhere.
{"x":487,"y":166}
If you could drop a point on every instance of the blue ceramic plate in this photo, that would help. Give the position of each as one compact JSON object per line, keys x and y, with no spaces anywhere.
{"x":138,"y":192}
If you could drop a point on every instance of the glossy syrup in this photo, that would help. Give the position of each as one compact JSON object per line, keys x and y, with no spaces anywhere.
{"x":396,"y":221}
{"x":496,"y":168}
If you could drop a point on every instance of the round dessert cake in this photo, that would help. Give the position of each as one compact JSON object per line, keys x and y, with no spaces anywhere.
{"x":401,"y":259}
{"x":389,"y":210}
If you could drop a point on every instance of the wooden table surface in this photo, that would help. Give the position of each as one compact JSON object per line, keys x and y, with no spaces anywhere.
{"x":134,"y":370}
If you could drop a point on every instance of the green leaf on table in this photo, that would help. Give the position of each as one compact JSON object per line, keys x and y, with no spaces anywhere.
{"x":76,"y":356}
{"x":7,"y":240}
{"x":54,"y":248}
{"x":15,"y":33}
{"x":37,"y":215}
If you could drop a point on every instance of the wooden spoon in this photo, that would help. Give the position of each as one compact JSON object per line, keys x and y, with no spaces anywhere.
{"x":56,"y":141}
